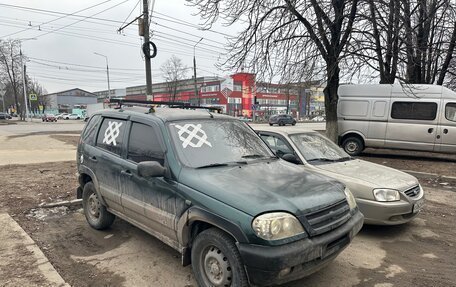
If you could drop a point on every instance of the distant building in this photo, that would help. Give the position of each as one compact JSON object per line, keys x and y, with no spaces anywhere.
{"x":115,"y":93}
{"x":235,"y":94}
{"x":66,"y":101}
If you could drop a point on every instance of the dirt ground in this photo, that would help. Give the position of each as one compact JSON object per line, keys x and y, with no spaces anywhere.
{"x":421,"y":253}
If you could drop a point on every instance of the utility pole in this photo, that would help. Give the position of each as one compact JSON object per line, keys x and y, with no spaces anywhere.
{"x":25,"y":86}
{"x":194,"y":72}
{"x":146,"y":41}
{"x":107,"y":72}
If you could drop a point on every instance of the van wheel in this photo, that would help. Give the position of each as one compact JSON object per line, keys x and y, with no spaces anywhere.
{"x":353,"y":146}
{"x":96,"y":213}
{"x":216,"y":260}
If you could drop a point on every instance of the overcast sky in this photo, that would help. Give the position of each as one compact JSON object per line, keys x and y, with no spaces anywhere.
{"x":73,"y":40}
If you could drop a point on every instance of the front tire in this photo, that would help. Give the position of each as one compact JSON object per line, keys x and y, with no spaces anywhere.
{"x":353,"y":146}
{"x":216,"y":260}
{"x":95,"y":212}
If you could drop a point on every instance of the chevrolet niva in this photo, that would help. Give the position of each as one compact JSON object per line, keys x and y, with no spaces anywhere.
{"x":208,"y":186}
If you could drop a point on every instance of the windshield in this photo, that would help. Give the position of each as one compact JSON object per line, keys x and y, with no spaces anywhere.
{"x":314,"y":146}
{"x":201,"y":143}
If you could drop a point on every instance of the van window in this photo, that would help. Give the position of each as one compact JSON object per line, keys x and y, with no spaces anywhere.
{"x":354,"y":108}
{"x":450,"y":112}
{"x":414,"y":111}
{"x":143,"y":144}
{"x":110,"y":136}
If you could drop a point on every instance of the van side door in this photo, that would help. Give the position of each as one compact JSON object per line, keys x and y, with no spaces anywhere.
{"x":412,"y":124}
{"x":446,"y":134}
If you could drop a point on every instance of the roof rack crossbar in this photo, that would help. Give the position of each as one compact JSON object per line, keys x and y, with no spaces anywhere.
{"x":181,"y":105}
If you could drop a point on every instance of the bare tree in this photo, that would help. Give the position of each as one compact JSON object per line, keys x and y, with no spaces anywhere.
{"x":285,"y":38}
{"x":413,"y":41}
{"x":173,"y":71}
{"x":10,"y":70}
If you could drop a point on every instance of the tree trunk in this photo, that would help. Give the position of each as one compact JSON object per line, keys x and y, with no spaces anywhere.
{"x":331,"y":98}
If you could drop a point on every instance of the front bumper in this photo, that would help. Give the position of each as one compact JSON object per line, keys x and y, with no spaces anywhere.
{"x":388,"y":213}
{"x":267,"y":265}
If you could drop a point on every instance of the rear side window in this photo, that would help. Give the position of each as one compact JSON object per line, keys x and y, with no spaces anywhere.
{"x":414,"y":111}
{"x":111,"y":134}
{"x":90,"y":132}
{"x":144,"y":144}
{"x":450,"y":112}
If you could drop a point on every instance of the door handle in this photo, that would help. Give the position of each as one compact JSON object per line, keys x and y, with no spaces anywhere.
{"x":93,"y":158}
{"x":430,"y":130}
{"x":445,"y":131}
{"x":126,"y":173}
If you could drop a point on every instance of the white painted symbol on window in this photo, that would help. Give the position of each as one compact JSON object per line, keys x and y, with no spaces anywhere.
{"x":188,"y":132}
{"x":111,"y":133}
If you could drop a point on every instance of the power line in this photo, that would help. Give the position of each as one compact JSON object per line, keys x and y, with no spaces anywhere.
{"x":137,"y":3}
{"x":44,"y":23}
{"x":88,"y":17}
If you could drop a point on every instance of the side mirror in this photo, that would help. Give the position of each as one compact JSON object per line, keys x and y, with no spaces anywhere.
{"x":291,"y":158}
{"x":151,"y":169}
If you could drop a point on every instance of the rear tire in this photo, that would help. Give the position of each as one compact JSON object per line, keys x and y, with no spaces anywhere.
{"x":353,"y":145}
{"x":216,"y":260}
{"x":95,"y":212}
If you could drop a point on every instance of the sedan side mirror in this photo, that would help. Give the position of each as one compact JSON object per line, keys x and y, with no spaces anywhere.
{"x":151,"y":169}
{"x":291,"y":158}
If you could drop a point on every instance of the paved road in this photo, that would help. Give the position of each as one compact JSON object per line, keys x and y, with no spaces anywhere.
{"x":38,"y":126}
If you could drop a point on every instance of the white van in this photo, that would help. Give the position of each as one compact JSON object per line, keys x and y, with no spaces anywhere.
{"x":418,"y":117}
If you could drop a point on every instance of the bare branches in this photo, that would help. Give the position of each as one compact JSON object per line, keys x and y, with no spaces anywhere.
{"x":173,"y":71}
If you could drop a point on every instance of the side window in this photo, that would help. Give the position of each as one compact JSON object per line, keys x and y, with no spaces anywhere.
{"x":110,"y":136}
{"x":90,"y":132}
{"x":144,"y":144}
{"x":276,"y":144}
{"x":414,"y":111}
{"x":450,"y":112}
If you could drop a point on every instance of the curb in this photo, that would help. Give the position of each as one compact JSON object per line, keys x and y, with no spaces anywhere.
{"x":14,"y":239}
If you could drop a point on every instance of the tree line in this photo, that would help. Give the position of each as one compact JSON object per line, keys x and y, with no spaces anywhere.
{"x":11,"y":71}
{"x":339,"y":41}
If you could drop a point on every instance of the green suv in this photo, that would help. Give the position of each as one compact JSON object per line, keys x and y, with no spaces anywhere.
{"x":207,"y":185}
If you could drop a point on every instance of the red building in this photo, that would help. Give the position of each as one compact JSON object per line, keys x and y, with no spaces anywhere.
{"x":235,"y":94}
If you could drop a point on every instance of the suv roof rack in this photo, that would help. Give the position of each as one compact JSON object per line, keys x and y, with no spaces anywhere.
{"x":180,"y":105}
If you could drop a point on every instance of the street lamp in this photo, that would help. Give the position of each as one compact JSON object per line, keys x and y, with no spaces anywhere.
{"x":27,"y":112}
{"x":194,"y":70}
{"x":107,"y":72}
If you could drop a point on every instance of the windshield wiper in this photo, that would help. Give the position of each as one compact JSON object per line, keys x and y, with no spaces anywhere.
{"x":345,"y":158}
{"x":329,"y":160}
{"x":321,"y":159}
{"x":253,"y":156}
{"x":221,"y":164}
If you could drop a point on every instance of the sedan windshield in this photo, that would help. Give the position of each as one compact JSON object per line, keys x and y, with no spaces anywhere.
{"x":211,"y":143}
{"x":315,"y":147}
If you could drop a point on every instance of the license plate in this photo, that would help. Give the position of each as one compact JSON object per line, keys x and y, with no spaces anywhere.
{"x":418,"y":206}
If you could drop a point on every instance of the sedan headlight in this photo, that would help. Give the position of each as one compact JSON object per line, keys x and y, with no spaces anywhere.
{"x":384,"y":194}
{"x":276,"y":225}
{"x":350,"y":198}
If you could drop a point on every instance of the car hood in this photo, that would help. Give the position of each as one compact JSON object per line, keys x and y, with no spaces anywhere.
{"x":378,"y":176}
{"x":264,"y":186}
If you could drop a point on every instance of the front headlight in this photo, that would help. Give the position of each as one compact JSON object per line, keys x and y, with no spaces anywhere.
{"x":350,"y":198}
{"x":276,"y":225}
{"x":384,"y":194}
